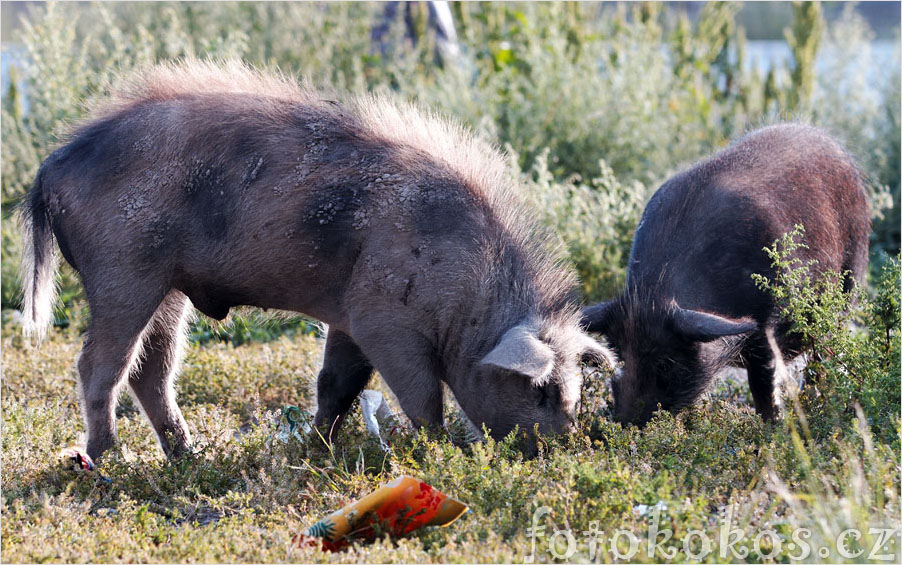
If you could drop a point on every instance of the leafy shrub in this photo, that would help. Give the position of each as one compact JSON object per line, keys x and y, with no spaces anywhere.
{"x":594,"y":220}
{"x":848,"y":366}
{"x":598,"y":103}
{"x":868,"y":123}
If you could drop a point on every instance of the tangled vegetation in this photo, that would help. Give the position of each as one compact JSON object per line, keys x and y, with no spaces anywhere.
{"x":596,"y":105}
{"x":595,"y":113}
{"x":830,"y":466}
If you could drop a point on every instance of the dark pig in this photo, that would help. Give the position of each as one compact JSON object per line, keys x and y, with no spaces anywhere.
{"x":218,"y":186}
{"x":691,"y":307}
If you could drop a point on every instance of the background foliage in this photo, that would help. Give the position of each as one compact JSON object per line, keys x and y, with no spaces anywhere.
{"x":596,"y":105}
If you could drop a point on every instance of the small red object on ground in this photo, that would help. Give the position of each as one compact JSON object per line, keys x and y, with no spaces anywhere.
{"x":81,"y":461}
{"x":398,"y":508}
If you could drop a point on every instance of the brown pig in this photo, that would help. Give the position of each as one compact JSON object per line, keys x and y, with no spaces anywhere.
{"x":217,"y":186}
{"x":691,"y":307}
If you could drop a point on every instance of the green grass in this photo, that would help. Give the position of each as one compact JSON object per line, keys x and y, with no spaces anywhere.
{"x":241,"y":498}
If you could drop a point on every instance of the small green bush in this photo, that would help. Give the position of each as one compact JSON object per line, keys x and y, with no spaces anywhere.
{"x":853,"y":341}
{"x":595,"y":222}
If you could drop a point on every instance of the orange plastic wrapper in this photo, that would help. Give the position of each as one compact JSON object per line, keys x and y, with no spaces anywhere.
{"x":398,"y":508}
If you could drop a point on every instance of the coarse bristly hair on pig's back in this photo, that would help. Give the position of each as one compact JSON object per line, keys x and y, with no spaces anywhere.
{"x":485,"y":170}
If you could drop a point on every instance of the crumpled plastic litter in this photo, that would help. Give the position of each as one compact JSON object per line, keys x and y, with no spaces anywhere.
{"x":397,"y":508}
{"x":292,"y":423}
{"x":81,"y":461}
{"x":376,"y":410}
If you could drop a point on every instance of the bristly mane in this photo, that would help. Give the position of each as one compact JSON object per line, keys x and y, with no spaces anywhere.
{"x":481,"y":167}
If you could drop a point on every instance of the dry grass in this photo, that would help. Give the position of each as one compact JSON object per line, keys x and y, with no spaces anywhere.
{"x":240,"y":498}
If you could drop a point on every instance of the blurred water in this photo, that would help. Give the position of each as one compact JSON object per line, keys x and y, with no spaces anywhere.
{"x":763,"y":55}
{"x":12,"y":54}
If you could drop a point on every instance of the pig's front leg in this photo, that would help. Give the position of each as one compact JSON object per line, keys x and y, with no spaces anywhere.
{"x":766,"y":372}
{"x":345,"y":373}
{"x":420,"y":397}
{"x":407,"y":362}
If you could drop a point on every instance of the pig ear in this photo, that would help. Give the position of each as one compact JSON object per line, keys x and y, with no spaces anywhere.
{"x":593,"y":353}
{"x":597,"y":318}
{"x":522,"y":352}
{"x":700,"y":326}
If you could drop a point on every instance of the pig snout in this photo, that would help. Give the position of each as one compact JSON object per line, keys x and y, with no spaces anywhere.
{"x":631,"y":406}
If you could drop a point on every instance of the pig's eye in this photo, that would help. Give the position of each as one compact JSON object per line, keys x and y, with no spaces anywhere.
{"x":661,"y":367}
{"x":541,"y":396}
{"x":662,"y":372}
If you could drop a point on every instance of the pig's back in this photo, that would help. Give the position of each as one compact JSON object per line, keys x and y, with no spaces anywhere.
{"x":223,"y":175}
{"x":703,"y":232}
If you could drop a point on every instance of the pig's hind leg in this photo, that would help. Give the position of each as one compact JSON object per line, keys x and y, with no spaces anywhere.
{"x":152,"y":382}
{"x":121,"y":309}
{"x":345,"y":373}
